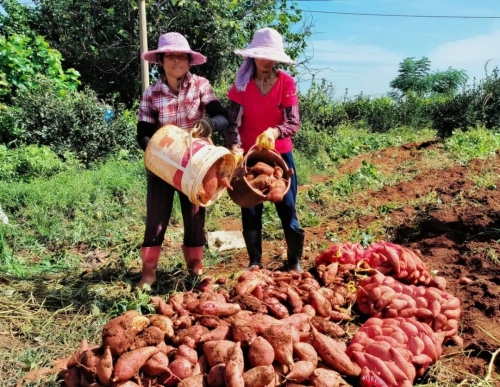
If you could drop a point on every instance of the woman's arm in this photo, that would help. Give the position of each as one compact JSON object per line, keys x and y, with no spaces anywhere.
{"x":145,"y":131}
{"x":231,"y":134}
{"x":218,"y":117}
{"x":291,"y":122}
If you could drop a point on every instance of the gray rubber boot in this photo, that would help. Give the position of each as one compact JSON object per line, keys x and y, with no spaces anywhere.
{"x":295,"y":247}
{"x":253,"y":241}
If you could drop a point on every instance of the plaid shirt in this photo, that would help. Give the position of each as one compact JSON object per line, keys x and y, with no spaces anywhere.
{"x":161,"y":107}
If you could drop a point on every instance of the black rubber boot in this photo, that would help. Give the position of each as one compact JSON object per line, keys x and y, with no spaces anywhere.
{"x":295,"y":246}
{"x":253,"y":241}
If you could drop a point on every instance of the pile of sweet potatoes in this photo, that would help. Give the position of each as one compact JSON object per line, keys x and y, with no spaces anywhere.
{"x":381,"y":296}
{"x":395,"y":350}
{"x":278,"y":328}
{"x":267,"y":180}
{"x":270,"y":329}
{"x":397,"y":291}
{"x":400,"y":263}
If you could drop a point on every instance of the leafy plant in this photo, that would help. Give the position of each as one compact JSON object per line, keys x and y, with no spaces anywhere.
{"x":475,"y":143}
{"x":23,"y":58}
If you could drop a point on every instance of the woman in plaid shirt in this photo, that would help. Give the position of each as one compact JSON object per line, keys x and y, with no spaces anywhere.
{"x":185,"y":100}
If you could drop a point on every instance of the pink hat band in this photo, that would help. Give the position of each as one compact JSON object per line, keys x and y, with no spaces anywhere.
{"x":267,"y":43}
{"x":174,"y":42}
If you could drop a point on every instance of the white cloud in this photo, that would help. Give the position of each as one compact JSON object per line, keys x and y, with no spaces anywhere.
{"x":357,"y":67}
{"x":468,"y":54}
{"x":369,"y":68}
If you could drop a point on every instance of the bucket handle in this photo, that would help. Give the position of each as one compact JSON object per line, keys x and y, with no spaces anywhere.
{"x":190,"y":146}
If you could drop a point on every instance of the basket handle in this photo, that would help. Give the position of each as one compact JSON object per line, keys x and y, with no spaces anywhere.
{"x":251,"y":148}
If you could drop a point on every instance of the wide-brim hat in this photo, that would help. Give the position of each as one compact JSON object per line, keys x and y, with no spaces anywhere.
{"x":267,"y":43}
{"x":174,"y":42}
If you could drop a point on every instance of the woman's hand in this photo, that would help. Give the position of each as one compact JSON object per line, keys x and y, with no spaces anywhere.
{"x":267,"y":139}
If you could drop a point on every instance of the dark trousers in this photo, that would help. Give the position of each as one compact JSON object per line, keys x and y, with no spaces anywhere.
{"x":159,"y":202}
{"x":252,"y":217}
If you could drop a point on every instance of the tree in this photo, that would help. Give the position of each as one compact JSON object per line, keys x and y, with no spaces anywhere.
{"x":100,"y":38}
{"x":415,"y":76}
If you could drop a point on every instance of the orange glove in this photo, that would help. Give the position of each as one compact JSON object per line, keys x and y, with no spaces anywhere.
{"x":267,"y":139}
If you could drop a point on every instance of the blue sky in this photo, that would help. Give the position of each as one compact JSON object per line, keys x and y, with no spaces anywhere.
{"x":362,"y":53}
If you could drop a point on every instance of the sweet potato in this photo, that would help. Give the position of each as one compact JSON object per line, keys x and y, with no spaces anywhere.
{"x":151,"y":336}
{"x":73,"y":360}
{"x":164,"y":323}
{"x":217,"y":351}
{"x":183,"y":351}
{"x":260,"y":182}
{"x":262,"y":168}
{"x":327,"y":327}
{"x":161,"y":307}
{"x":243,"y":332}
{"x":247,"y":286}
{"x":104,"y":367}
{"x":156,"y":365}
{"x":192,"y":381}
{"x":278,"y":172}
{"x":131,"y":362}
{"x":299,"y":321}
{"x":259,"y":376}
{"x":119,"y":333}
{"x":233,"y":372}
{"x":224,"y":182}
{"x":320,"y":304}
{"x":128,"y":383}
{"x":280,"y":338}
{"x":72,"y":377}
{"x":276,"y":308}
{"x":220,"y":333}
{"x":194,"y":332}
{"x":215,"y":308}
{"x":333,"y":353}
{"x":322,"y":377}
{"x":305,"y":351}
{"x":215,"y":377}
{"x":277,"y":188}
{"x":260,"y":353}
{"x":301,"y":371}
{"x":88,"y":362}
{"x":179,"y":369}
{"x":208,"y":185}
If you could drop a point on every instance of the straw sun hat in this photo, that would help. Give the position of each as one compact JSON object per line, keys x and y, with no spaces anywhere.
{"x":267,"y":43}
{"x":174,"y":42}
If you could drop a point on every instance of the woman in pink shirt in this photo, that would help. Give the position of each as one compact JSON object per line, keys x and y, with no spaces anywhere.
{"x":264,"y":110}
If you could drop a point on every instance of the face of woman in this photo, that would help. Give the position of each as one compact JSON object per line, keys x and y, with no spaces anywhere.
{"x":264,"y":65}
{"x":176,"y":64}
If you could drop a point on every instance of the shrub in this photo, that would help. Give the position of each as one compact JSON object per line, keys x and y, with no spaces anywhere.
{"x":28,"y":162}
{"x":72,"y":124}
{"x":319,"y":109}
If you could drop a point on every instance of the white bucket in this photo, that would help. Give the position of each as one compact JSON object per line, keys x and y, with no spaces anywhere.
{"x":183,"y":161}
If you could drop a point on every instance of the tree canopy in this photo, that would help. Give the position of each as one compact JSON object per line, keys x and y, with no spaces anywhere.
{"x":100,"y":38}
{"x":415,"y":76}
